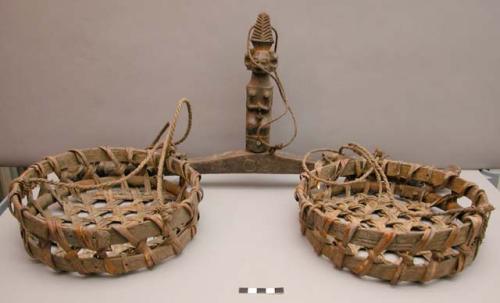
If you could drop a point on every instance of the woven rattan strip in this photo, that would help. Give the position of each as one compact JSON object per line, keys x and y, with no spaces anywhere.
{"x":108,"y":210}
{"x":391,"y":220}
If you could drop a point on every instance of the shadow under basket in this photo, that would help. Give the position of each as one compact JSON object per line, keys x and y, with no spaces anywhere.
{"x":109,"y":229}
{"x":420,"y":224}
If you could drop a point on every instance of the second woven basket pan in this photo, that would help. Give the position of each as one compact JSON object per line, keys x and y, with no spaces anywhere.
{"x":108,"y":210}
{"x":388,"y":219}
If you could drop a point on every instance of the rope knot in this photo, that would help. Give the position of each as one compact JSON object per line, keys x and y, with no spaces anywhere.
{"x":276,"y":147}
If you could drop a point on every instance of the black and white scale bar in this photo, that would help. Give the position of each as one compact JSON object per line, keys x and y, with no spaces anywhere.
{"x":262,"y":290}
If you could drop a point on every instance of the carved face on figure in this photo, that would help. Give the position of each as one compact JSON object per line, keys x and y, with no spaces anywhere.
{"x":264,"y":57}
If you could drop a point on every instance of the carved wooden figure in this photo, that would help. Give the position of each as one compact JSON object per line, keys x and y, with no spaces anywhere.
{"x":260,"y":87}
{"x":260,"y":156}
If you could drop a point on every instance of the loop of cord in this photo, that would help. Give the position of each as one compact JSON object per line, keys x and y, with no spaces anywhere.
{"x":365,"y":154}
{"x":166,"y":148}
{"x":382,"y":180}
{"x":274,"y":75}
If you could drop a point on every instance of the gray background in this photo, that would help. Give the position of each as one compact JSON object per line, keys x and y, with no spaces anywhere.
{"x":418,"y":79}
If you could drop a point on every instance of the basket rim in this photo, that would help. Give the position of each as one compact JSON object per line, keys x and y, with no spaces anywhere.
{"x":104,"y":236}
{"x":402,"y":240}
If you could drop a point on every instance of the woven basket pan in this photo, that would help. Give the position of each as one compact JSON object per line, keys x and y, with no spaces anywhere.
{"x":415,"y":228}
{"x":113,"y":230}
{"x":109,"y":210}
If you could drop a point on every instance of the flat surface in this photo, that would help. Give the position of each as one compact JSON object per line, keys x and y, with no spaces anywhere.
{"x":248,"y":237}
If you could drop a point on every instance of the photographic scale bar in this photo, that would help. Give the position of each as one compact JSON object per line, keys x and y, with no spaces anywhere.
{"x":262,"y":290}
